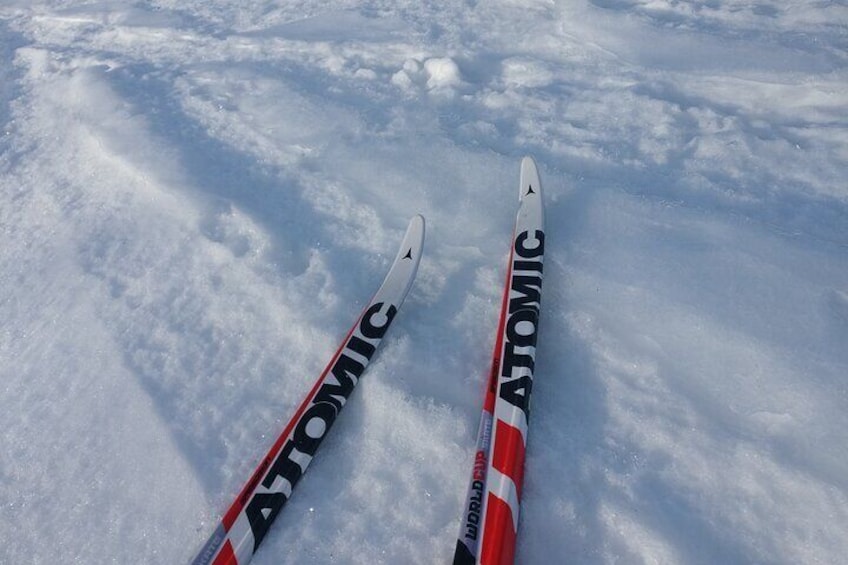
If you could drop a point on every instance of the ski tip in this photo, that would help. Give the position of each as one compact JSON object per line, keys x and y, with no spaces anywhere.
{"x":530,"y":183}
{"x":413,"y":240}
{"x":402,"y":272}
{"x":416,"y":227}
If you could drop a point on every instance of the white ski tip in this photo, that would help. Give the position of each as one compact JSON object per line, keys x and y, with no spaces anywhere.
{"x":413,"y":240}
{"x":417,"y":223}
{"x":405,"y":266}
{"x":530,"y":183}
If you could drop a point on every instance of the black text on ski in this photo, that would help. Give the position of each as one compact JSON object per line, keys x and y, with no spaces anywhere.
{"x":475,"y":505}
{"x":523,"y":318}
{"x":318,"y":417}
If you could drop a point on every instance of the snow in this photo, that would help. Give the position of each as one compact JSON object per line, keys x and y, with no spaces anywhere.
{"x":197,"y":198}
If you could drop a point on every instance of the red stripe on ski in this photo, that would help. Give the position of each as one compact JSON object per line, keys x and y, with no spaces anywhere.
{"x":497,"y":354}
{"x":498,"y":546}
{"x":508,"y":454}
{"x":471,"y":531}
{"x":227,"y":556}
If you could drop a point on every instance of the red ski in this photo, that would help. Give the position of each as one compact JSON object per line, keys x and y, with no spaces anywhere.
{"x":490,"y":521}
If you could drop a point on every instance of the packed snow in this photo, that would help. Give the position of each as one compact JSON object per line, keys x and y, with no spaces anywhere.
{"x":197,"y":197}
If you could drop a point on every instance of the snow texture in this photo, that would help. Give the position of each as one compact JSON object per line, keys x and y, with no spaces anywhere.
{"x":197,"y":197}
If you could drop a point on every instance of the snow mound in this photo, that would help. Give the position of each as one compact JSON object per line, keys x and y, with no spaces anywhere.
{"x":442,"y":73}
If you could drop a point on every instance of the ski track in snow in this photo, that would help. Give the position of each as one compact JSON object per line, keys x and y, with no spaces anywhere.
{"x":198,"y":197}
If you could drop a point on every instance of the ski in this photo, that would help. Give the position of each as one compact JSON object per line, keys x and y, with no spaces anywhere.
{"x":490,"y":519}
{"x":246,"y":523}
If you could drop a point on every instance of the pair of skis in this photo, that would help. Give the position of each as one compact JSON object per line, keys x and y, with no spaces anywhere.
{"x":490,"y":521}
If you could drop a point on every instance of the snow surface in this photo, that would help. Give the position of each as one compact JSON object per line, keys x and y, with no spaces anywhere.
{"x":197,"y":197}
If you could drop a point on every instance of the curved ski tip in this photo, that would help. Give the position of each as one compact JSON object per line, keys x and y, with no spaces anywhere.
{"x":527,"y":161}
{"x":416,"y":224}
{"x":413,"y":240}
{"x":530,"y":183}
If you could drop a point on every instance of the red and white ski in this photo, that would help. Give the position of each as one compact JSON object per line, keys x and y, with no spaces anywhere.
{"x":490,"y":521}
{"x":245,"y":524}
